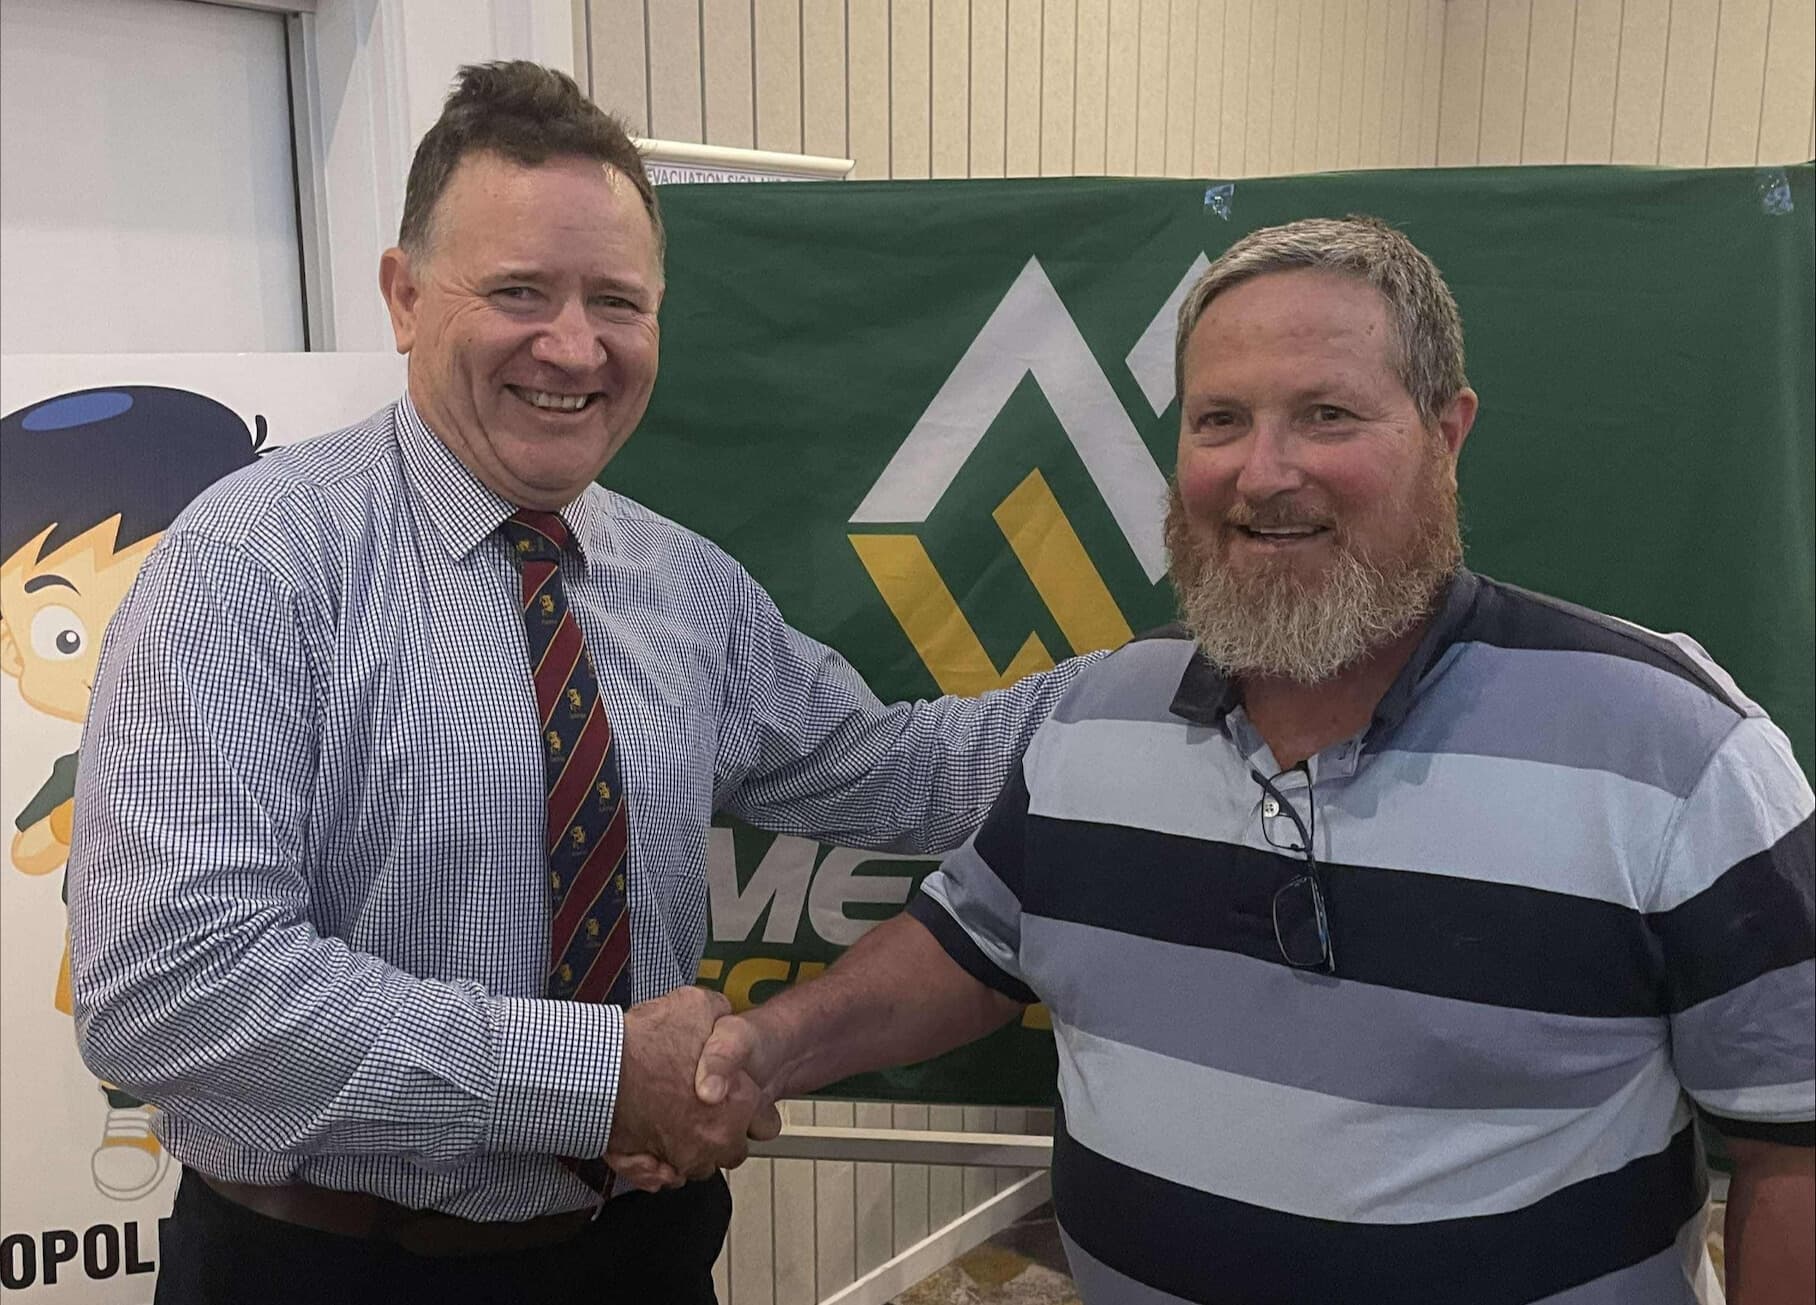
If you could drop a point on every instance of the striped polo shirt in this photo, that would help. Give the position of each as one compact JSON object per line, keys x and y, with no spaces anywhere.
{"x":1568,"y":869}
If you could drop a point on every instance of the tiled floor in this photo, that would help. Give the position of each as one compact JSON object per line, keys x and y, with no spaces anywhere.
{"x":1025,"y":1265}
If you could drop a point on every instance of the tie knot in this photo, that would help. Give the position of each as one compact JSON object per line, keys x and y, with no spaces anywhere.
{"x":536,"y":534}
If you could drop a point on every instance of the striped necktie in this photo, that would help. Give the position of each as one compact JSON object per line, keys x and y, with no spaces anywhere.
{"x":589,"y":927}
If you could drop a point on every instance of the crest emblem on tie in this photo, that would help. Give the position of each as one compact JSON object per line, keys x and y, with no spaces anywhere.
{"x":523,"y":546}
{"x":592,"y":927}
{"x":555,"y":883}
{"x":577,"y":836}
{"x":605,"y":792}
{"x":547,"y":604}
{"x":618,"y":883}
{"x":573,"y":697}
{"x":566,"y":972}
{"x":554,"y":741}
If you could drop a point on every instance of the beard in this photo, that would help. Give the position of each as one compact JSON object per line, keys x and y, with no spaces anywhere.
{"x":1271,"y":619}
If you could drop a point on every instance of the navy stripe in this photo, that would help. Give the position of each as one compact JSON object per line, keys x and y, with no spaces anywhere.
{"x":1510,"y":617}
{"x":1216,"y":1251}
{"x":1768,"y":900}
{"x":949,"y":934}
{"x":1002,"y":839}
{"x":1800,"y":1134}
{"x":1432,"y":933}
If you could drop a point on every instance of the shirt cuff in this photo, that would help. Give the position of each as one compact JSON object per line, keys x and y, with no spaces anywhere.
{"x":557,"y":1084}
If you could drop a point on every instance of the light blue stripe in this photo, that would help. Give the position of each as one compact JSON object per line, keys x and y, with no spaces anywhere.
{"x":1584,"y":710}
{"x":1757,"y":1035}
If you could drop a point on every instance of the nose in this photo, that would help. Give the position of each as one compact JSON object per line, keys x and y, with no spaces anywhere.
{"x":1271,"y":467}
{"x":569,"y":340}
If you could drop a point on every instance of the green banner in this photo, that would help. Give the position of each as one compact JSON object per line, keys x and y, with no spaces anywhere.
{"x":933,"y":418}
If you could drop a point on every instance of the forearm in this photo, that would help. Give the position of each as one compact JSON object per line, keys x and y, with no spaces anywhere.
{"x":1770,"y":1234}
{"x":894,"y":999}
{"x":297,"y":1045}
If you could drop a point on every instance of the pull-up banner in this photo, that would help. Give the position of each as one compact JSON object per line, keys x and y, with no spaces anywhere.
{"x":936,"y":419}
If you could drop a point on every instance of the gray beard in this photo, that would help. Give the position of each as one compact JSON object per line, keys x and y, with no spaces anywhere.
{"x":1270,"y":621}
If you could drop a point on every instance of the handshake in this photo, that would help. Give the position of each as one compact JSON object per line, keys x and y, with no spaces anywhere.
{"x":694,"y":1089}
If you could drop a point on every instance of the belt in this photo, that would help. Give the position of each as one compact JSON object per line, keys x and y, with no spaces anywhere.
{"x":420,"y":1232}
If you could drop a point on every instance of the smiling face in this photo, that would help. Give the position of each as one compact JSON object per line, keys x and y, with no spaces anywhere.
{"x":1314,"y":513}
{"x":52,"y":612}
{"x":530,"y":322}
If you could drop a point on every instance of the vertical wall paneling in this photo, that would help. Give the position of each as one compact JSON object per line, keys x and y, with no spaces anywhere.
{"x":1234,"y":132}
{"x":1308,"y":61}
{"x":1464,"y":83}
{"x":1548,"y":64}
{"x":1435,"y":18}
{"x":1414,"y":94}
{"x":776,"y":27}
{"x":618,"y":58}
{"x":1258,"y":151}
{"x":979,"y":1180}
{"x":823,"y":78}
{"x":1594,"y":66}
{"x":1151,"y":104}
{"x":911,"y":1186}
{"x":1330,"y":83}
{"x":1740,"y":70}
{"x":1502,"y":113}
{"x":1374,"y":73}
{"x":1393,"y":86}
{"x":875,"y":1194}
{"x":835,"y":1207}
{"x":910,"y":89}
{"x":867,"y":87}
{"x":1207,"y":128}
{"x":1124,"y":87}
{"x":945,"y":1183}
{"x":751,"y":1240}
{"x":1690,"y":53}
{"x":1639,"y":76}
{"x":1349,"y":139}
{"x":676,"y":110}
{"x":1058,"y":92}
{"x":951,"y":88}
{"x":792,"y":1214}
{"x":989,"y":88}
{"x":1182,"y":85}
{"x":1090,"y":96}
{"x":1289,"y":46}
{"x":727,"y":71}
{"x":1022,"y":74}
{"x":1785,"y":127}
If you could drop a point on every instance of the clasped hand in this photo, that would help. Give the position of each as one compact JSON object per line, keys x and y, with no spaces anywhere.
{"x":682,"y":1111}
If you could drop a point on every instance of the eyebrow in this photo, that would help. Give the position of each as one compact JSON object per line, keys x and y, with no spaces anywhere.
{"x":38,"y":582}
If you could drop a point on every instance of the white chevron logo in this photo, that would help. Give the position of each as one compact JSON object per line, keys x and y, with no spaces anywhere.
{"x":1031,"y":332}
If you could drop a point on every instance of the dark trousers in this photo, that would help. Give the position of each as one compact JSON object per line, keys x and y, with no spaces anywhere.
{"x":654,"y":1247}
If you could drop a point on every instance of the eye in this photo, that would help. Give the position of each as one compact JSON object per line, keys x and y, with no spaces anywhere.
{"x":58,"y":634}
{"x":515,"y":294}
{"x":1326,"y":413}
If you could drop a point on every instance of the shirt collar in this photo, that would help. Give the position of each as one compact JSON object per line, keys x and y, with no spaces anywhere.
{"x":1206,"y":695}
{"x":463,"y":509}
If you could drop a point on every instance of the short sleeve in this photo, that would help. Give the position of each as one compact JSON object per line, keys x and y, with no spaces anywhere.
{"x":1735,"y":916}
{"x":972,"y":903}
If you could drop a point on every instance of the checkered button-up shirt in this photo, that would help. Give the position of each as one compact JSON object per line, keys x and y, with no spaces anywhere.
{"x":307,"y":884}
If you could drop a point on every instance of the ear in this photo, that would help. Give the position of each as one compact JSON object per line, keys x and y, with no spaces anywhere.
{"x":397,"y":283}
{"x":10,"y":660}
{"x":1458,"y":417}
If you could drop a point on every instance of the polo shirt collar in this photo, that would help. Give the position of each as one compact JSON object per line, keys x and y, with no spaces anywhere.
{"x":1206,"y":695}
{"x":463,"y":509}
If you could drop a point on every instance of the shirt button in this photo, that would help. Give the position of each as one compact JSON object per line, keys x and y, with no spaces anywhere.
{"x":1269,"y":808}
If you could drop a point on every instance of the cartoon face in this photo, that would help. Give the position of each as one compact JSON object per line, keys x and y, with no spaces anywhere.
{"x":53,"y":609}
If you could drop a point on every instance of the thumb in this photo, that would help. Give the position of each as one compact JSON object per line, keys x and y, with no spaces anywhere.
{"x":727,"y":1050}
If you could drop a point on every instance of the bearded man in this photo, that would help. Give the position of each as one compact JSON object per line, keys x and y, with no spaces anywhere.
{"x":1395,"y":923}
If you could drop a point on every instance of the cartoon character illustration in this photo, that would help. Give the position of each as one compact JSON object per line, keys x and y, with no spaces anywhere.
{"x":89,"y":482}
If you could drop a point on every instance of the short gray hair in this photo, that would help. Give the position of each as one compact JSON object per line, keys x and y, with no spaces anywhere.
{"x":1427,"y":329}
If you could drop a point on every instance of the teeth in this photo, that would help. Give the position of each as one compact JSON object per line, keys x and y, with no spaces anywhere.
{"x":559,"y":402}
